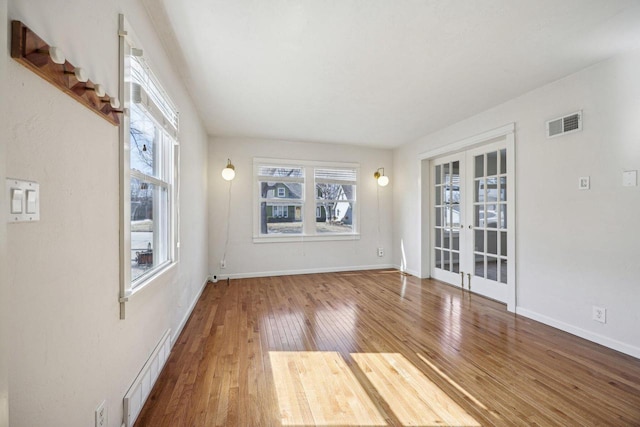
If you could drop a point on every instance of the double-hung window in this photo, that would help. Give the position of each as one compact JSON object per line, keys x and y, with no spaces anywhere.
{"x":149,"y":174}
{"x":281,"y":198}
{"x":335,"y":190}
{"x":297,"y":199}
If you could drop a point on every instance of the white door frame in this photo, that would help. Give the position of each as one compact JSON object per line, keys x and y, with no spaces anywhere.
{"x":506,"y":131}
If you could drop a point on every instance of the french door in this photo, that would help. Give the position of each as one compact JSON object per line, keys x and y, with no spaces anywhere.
{"x":472,"y":203}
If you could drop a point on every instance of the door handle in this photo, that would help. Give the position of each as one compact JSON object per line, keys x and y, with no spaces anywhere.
{"x":462,"y":279}
{"x":469,"y":280}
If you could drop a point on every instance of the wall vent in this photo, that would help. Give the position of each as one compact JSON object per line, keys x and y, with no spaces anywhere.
{"x":564,"y":125}
{"x":142,"y":385}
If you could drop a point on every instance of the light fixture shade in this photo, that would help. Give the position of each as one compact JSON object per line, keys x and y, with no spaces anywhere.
{"x":229,"y":172}
{"x":382,"y":179}
{"x":114,"y":102}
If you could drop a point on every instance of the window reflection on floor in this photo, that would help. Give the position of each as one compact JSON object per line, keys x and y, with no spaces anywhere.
{"x":319,"y":389}
{"x":414,"y":399}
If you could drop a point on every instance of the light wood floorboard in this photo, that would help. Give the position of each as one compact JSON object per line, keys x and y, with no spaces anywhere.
{"x":380,"y":348}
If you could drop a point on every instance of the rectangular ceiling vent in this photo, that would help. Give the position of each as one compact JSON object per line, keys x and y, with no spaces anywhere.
{"x":563,"y":125}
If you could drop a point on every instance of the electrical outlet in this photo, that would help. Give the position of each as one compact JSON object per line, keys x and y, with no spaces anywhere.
{"x":101,"y":414}
{"x":380,"y":251}
{"x":584,"y":183}
{"x":599,"y":314}
{"x":223,"y":263}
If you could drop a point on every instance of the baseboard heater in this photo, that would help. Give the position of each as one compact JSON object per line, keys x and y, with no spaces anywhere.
{"x":142,"y":385}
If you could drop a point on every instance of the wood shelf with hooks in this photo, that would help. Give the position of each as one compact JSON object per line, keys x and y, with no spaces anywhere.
{"x":31,"y":51}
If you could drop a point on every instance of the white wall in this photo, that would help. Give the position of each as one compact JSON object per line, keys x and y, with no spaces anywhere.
{"x":4,"y":285}
{"x":575,"y":249}
{"x":69,"y":350}
{"x":245,"y":258}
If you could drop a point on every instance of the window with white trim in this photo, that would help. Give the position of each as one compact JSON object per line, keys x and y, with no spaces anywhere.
{"x":282,"y":212}
{"x":335,"y":191}
{"x":149,"y":169}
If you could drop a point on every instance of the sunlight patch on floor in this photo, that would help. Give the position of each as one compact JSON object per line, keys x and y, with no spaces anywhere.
{"x":414,"y":399}
{"x":318,"y":388}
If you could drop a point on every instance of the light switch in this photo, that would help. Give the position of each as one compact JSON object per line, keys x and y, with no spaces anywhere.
{"x":629,"y":178}
{"x":32,"y":198}
{"x":17,"y":195}
{"x":24,"y":200}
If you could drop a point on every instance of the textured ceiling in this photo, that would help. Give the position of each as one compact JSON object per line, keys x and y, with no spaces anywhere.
{"x":377,"y":72}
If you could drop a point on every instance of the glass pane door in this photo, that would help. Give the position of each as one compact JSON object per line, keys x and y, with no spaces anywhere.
{"x":446,"y":219}
{"x":488,"y":254}
{"x":490,"y":215}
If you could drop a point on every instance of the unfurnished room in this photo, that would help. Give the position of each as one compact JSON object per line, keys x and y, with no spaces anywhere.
{"x":320,"y":213}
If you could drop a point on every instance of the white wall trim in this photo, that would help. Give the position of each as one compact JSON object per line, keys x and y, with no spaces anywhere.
{"x":582,"y":333}
{"x":468,"y":142}
{"x":305,"y":271}
{"x":184,"y":320}
{"x":409,"y":271}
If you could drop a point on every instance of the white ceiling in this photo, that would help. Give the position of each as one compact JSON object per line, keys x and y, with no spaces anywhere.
{"x":377,"y":72}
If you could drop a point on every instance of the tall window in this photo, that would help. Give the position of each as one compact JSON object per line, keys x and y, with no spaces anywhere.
{"x":284,"y":213}
{"x":150,"y":173}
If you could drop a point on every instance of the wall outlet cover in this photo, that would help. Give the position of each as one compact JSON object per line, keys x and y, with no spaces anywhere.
{"x":101,"y":414}
{"x":599,"y":314}
{"x":584,"y":183}
{"x":629,"y":178}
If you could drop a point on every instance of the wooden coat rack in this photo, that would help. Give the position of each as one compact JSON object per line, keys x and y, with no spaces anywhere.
{"x":33,"y":52}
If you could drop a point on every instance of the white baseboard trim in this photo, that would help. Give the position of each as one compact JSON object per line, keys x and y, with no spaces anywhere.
{"x":186,"y":316}
{"x":304,"y":271}
{"x":407,"y":270}
{"x":582,"y":333}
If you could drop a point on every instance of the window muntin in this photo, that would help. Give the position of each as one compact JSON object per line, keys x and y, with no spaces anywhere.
{"x":282,"y":207}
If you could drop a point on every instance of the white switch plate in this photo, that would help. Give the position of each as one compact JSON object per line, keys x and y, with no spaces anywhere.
{"x":629,"y":178}
{"x":584,"y":183}
{"x":21,"y":189}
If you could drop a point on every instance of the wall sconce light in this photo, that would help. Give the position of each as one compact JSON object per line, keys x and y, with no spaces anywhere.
{"x":229,"y":172}
{"x":383,"y":180}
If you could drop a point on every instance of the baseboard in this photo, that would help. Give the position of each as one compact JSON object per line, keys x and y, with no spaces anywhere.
{"x":186,"y":316}
{"x":582,"y":333}
{"x":304,"y":271}
{"x":407,"y":270}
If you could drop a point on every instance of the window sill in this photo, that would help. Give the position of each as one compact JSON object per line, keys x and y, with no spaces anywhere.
{"x":305,"y":238}
{"x":148,"y":280}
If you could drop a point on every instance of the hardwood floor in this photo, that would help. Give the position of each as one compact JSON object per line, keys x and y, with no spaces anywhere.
{"x":379,"y":348}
